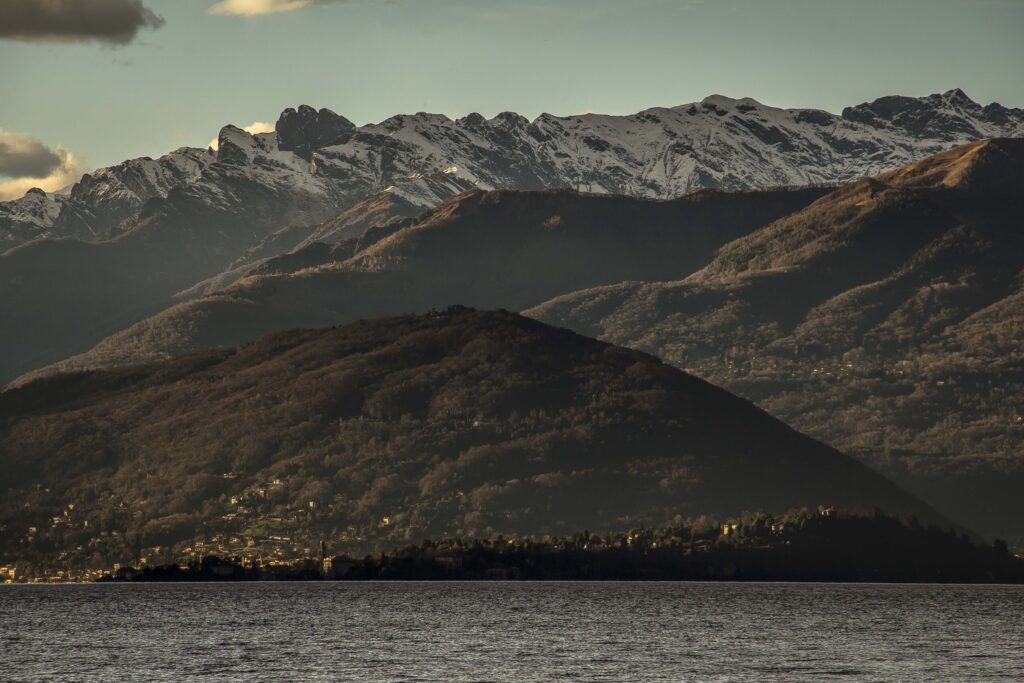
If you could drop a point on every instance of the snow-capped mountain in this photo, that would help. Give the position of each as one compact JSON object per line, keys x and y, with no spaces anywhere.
{"x":102,"y":204}
{"x":667,"y":152}
{"x":28,"y":217}
{"x":317,"y":163}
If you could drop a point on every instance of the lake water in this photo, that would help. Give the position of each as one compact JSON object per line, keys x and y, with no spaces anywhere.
{"x":511,"y":632}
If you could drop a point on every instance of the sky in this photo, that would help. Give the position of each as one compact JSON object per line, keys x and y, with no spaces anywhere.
{"x":88,"y":83}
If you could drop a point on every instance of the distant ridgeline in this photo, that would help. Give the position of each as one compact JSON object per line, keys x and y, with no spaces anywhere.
{"x":825,"y":545}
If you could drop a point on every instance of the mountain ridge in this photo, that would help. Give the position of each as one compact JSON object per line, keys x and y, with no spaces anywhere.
{"x":197,"y":220}
{"x":665,"y":152}
{"x":882,"y":318}
{"x":505,"y":248}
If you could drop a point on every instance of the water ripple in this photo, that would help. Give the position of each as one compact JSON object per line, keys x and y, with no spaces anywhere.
{"x":522,"y":632}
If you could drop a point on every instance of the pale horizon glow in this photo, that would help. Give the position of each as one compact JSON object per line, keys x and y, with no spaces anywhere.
{"x":251,"y":8}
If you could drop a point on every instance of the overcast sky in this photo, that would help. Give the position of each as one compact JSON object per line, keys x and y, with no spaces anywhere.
{"x":104,"y":80}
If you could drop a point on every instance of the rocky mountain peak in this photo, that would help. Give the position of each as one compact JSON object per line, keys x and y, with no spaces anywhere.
{"x":883,"y":109}
{"x":949,"y":116}
{"x":472,"y":119}
{"x":512,"y":120}
{"x":234,"y":145}
{"x":305,"y":130}
{"x":958,"y":96}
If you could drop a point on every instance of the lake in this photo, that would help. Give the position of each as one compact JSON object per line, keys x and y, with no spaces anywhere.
{"x":511,"y":632}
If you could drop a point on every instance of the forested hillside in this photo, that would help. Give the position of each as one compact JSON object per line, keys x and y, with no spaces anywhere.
{"x":388,"y":431}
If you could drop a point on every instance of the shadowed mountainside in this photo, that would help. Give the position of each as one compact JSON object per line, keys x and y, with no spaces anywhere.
{"x":304,"y":246}
{"x":209,"y":216}
{"x":146,"y":230}
{"x":487,"y":249}
{"x":885,"y":319}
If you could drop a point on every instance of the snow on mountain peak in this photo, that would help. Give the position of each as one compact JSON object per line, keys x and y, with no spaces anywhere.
{"x":326,"y":164}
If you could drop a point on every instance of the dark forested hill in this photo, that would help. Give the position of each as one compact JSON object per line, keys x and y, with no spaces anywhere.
{"x":385,"y":431}
{"x":886,"y":319}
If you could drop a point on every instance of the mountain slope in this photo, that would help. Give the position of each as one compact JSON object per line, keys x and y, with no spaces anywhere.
{"x":457,"y":423}
{"x":485,"y":249}
{"x":311,"y":245}
{"x":206,"y":216}
{"x":60,"y":296}
{"x":883,"y":318}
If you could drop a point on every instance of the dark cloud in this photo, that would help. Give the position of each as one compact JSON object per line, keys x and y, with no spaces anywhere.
{"x":115,"y":22}
{"x":21,"y":156}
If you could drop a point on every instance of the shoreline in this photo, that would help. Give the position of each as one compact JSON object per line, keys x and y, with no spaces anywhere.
{"x":705,"y":582}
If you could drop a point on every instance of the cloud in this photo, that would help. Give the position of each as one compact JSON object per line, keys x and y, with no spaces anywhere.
{"x":251,"y":8}
{"x":253,"y":128}
{"x":29,"y":163}
{"x":115,"y":22}
{"x":21,"y":155}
